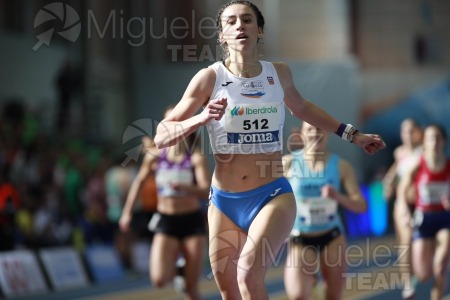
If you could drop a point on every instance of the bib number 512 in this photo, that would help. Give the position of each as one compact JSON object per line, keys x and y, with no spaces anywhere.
{"x":256,"y":124}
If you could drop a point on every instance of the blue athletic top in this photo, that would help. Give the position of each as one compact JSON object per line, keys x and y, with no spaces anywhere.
{"x":314,"y":213}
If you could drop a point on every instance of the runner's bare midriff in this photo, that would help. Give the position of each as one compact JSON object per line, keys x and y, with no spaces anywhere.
{"x":244,"y":172}
{"x":178,"y":205}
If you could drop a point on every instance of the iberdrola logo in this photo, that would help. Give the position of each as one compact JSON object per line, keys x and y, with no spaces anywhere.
{"x":237,"y":111}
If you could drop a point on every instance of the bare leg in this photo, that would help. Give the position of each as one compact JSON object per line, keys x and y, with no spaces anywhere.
{"x":404,"y":237}
{"x":302,"y":264}
{"x":266,"y":235}
{"x":163,"y":254}
{"x":333,"y":266}
{"x":225,"y":244}
{"x":423,"y":251}
{"x":440,"y":263}
{"x":194,"y":250}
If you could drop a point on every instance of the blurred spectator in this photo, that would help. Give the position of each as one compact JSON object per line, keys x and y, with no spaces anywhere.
{"x":95,"y":226}
{"x":9,"y":204}
{"x":52,"y":224}
{"x":94,"y":223}
{"x":67,"y":82}
{"x":74,"y":182}
{"x":117,"y":183}
{"x":10,"y":128}
{"x":57,"y":192}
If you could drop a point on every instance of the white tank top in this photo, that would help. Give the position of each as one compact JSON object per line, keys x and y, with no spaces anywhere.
{"x":254,"y":118}
{"x":406,"y":162}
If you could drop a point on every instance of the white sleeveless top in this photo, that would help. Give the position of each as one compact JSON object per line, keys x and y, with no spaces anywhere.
{"x":254,"y":119}
{"x":405,"y":163}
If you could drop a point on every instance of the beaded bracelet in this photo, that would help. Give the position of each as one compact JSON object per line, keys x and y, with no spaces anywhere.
{"x":353,"y":136}
{"x":347,"y":132}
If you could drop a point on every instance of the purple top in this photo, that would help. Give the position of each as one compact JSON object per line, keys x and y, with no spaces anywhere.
{"x":169,"y":173}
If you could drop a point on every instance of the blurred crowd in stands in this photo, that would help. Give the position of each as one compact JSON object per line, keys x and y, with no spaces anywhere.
{"x":58,"y":191}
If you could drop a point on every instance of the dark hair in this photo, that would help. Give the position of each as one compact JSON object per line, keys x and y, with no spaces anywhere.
{"x":439,"y":128}
{"x":259,"y":17}
{"x":412,"y":121}
{"x":259,"y":21}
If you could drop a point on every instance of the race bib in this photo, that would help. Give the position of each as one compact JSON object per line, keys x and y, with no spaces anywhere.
{"x":316,"y":211}
{"x":166,"y":177}
{"x":432,"y":192}
{"x":254,"y":123}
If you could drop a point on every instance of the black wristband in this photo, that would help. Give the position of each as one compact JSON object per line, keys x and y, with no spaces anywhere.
{"x":348,"y":133}
{"x":341,"y":129}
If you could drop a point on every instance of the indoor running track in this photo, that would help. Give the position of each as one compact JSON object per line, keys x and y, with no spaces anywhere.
{"x":366,"y":278}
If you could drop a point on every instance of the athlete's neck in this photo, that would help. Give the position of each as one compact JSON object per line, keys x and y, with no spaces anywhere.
{"x":241,"y":66}
{"x":435,"y":161}
{"x":410,"y":147}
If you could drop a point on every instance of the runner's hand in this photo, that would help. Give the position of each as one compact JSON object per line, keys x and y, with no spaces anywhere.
{"x":215,"y":109}
{"x":371,"y":143}
{"x":124,"y":222}
{"x":328,"y":191}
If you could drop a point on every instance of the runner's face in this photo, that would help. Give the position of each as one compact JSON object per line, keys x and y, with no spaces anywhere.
{"x":433,"y":140}
{"x":407,"y":130}
{"x":239,"y":27}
